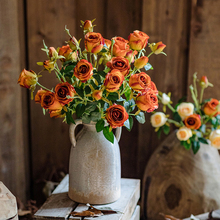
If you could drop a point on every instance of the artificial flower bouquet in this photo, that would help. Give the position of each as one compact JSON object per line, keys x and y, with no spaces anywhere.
{"x":101,"y":83}
{"x":197,"y":122}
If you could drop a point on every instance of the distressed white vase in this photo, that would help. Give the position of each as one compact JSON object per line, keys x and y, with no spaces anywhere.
{"x":94,"y":166}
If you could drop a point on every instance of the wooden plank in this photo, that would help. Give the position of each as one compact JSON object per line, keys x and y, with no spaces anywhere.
{"x":122,"y":18}
{"x":125,"y":205}
{"x":166,"y":21}
{"x":136,"y":214}
{"x":50,"y":137}
{"x":204,"y":43}
{"x":59,"y":206}
{"x":12,"y":160}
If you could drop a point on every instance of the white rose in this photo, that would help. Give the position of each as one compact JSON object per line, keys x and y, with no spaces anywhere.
{"x":215,"y":138}
{"x":165,"y":99}
{"x":158,"y":119}
{"x":185,"y":109}
{"x":184,"y":133}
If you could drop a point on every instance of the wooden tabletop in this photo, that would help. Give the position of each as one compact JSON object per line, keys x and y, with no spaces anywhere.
{"x":59,"y":206}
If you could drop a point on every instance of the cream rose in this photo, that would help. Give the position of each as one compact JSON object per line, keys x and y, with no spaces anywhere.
{"x":184,"y":133}
{"x":215,"y":138}
{"x":185,"y":109}
{"x":165,"y":99}
{"x":158,"y":119}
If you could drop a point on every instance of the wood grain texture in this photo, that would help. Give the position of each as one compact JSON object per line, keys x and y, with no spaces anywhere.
{"x":59,"y":206}
{"x":12,"y":161}
{"x":179,"y":183}
{"x":204,"y":43}
{"x":166,"y":21}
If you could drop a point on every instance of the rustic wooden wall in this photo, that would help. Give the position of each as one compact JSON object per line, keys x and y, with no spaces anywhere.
{"x":187,"y":27}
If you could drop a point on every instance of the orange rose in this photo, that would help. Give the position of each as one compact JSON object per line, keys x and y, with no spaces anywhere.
{"x":153,"y":87}
{"x":120,"y":47}
{"x":147,"y":101}
{"x":116,"y":115}
{"x":138,"y":40}
{"x":141,"y":62}
{"x":94,"y":42}
{"x":140,"y":81}
{"x":193,"y":121}
{"x":157,"y":48}
{"x":62,"y":90}
{"x":113,"y":80}
{"x":56,"y":113}
{"x":66,"y":52}
{"x":97,"y":94}
{"x":49,"y":65}
{"x":27,"y":79}
{"x":120,"y":63}
{"x":48,"y":101}
{"x":211,"y":108}
{"x":53,"y":53}
{"x":83,"y":70}
{"x":40,"y":92}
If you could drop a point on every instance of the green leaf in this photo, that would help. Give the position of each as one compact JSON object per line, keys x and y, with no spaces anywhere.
{"x":129,"y":123}
{"x":106,"y":70}
{"x":128,"y":94}
{"x":87,"y":90}
{"x":214,"y":120}
{"x":177,"y":117}
{"x":166,"y":129}
{"x":129,"y":105}
{"x":195,"y":146}
{"x":98,"y":78}
{"x":159,"y":132}
{"x":140,"y":117}
{"x":90,"y":107}
{"x":69,"y":68}
{"x":95,"y":116}
{"x":185,"y":144}
{"x":113,"y":96}
{"x":86,"y":119}
{"x":100,"y":125}
{"x":80,"y":109}
{"x":203,"y":128}
{"x":148,"y":66}
{"x":69,"y":118}
{"x":80,"y":92}
{"x":44,"y":111}
{"x":103,"y":50}
{"x":203,"y":140}
{"x":102,"y":73}
{"x":108,"y":135}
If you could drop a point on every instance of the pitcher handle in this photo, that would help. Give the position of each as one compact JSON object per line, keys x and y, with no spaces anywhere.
{"x":72,"y":131}
{"x":118,"y":133}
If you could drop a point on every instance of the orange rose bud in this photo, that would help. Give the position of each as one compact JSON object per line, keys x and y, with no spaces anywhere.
{"x":27,"y":79}
{"x":56,"y":113}
{"x":62,"y":90}
{"x":97,"y":94}
{"x":73,"y":43}
{"x":66,"y":52}
{"x":48,"y":101}
{"x":120,"y":47}
{"x":193,"y":121}
{"x":141,"y":62}
{"x":147,"y":101}
{"x":138,"y":40}
{"x":113,"y":80}
{"x":107,"y":43}
{"x":120,"y":63}
{"x":53,"y":53}
{"x":211,"y":108}
{"x":94,"y":42}
{"x":204,"y":83}
{"x":87,"y":26}
{"x":140,"y":81}
{"x":49,"y":65}
{"x":157,"y":48}
{"x":40,"y":92}
{"x":130,"y":55}
{"x":83,"y":70}
{"x":116,"y":115}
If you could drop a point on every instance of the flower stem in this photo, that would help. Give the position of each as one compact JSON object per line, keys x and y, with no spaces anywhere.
{"x":169,"y":105}
{"x":201,"y":94}
{"x":150,"y":54}
{"x":43,"y":87}
{"x":174,"y":122}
